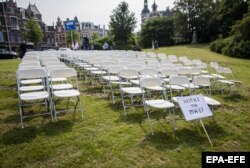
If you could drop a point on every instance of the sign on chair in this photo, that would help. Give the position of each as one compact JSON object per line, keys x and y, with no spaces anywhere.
{"x":194,"y":107}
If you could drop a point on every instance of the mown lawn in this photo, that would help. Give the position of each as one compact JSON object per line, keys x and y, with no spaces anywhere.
{"x":106,"y":138}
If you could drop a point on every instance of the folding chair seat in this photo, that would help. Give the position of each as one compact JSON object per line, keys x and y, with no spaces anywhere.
{"x":112,"y":79}
{"x":219,"y":71}
{"x":66,"y":93}
{"x":195,"y":71}
{"x":166,"y":73}
{"x":203,"y":67}
{"x":229,"y":83}
{"x":200,"y":81}
{"x":186,"y":71}
{"x":203,"y":82}
{"x":126,"y":75}
{"x":149,"y":101}
{"x":33,"y":94}
{"x":176,"y":84}
{"x":183,"y":58}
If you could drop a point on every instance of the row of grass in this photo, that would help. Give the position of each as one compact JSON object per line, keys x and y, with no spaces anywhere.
{"x":107,"y":138}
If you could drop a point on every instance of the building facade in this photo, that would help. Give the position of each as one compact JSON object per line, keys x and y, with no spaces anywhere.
{"x":12,"y":25}
{"x":146,"y":14}
{"x":13,"y":22}
{"x":88,"y":28}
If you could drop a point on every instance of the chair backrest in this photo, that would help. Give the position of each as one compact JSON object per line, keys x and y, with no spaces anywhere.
{"x":202,"y":65}
{"x":196,"y":70}
{"x":184,"y":71}
{"x":188,"y":62}
{"x":114,"y":69}
{"x":220,"y":70}
{"x":31,"y":73}
{"x":201,"y":80}
{"x":183,"y":58}
{"x":214,"y":64}
{"x":148,"y":71}
{"x":128,"y":74}
{"x":30,"y":64}
{"x":62,"y":73}
{"x":150,"y":82}
{"x":178,"y":80}
{"x":168,"y":72}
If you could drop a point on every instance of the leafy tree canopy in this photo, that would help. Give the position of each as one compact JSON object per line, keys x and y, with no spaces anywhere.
{"x":33,"y":32}
{"x":122,"y":23}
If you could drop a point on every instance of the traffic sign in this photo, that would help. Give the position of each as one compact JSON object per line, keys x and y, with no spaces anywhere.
{"x":70,"y":25}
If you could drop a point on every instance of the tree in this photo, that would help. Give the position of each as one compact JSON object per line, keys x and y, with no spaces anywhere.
{"x":95,"y":36}
{"x":194,"y":15}
{"x":122,"y":24}
{"x":76,"y":37}
{"x":34,"y":33}
{"x":227,"y":13}
{"x":160,"y":29}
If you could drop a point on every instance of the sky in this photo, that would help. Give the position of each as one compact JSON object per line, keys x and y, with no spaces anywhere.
{"x":97,"y":11}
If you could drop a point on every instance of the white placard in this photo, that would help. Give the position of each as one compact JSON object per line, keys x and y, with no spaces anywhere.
{"x":194,"y":107}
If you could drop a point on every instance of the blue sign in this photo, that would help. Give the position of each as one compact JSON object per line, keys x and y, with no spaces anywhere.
{"x":70,"y":25}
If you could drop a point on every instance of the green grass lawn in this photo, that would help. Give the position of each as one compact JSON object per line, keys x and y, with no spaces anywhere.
{"x":106,"y":138}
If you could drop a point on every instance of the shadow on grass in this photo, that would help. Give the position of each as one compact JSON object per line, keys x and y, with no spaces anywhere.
{"x":192,"y":135}
{"x":166,"y":141}
{"x":235,"y":98}
{"x":27,"y":134}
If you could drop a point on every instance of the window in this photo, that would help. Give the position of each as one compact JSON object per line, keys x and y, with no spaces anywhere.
{"x":23,"y":14}
{"x":12,"y":10}
{"x":1,"y":37}
{"x":14,"y":23}
{"x":59,"y":29}
{"x":12,"y":37}
{"x":19,"y":38}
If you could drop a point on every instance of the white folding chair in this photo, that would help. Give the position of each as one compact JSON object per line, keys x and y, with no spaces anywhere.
{"x":126,"y":75}
{"x":155,"y":83}
{"x":68,"y":93}
{"x":227,"y":83}
{"x":37,"y":92}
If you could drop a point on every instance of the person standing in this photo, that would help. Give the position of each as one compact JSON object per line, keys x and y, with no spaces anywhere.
{"x":105,"y":46}
{"x":22,"y":49}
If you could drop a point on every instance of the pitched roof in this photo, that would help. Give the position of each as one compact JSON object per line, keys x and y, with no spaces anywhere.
{"x":33,"y":8}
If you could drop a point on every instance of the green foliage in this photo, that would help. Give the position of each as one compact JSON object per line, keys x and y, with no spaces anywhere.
{"x":76,"y":37}
{"x":232,"y":47}
{"x":160,"y":29}
{"x":95,"y":36}
{"x":227,"y":13}
{"x":217,"y":45}
{"x":194,"y":15}
{"x":238,"y":44}
{"x":33,"y":32}
{"x":122,"y":24}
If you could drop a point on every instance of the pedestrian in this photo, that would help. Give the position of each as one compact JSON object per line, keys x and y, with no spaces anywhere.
{"x":156,"y":44}
{"x":105,"y":46}
{"x":22,"y":49}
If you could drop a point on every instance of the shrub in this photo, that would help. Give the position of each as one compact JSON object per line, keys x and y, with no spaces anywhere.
{"x":217,"y":45}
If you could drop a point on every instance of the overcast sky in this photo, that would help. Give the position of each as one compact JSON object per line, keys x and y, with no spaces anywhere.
{"x":97,"y":11}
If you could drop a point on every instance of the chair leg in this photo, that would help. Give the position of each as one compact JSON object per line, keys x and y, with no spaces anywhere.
{"x":54,"y":108}
{"x":21,"y":113}
{"x":123,"y":103}
{"x":149,"y":121}
{"x":81,"y":106}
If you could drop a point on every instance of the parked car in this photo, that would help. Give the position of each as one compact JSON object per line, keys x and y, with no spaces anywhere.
{"x":4,"y":54}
